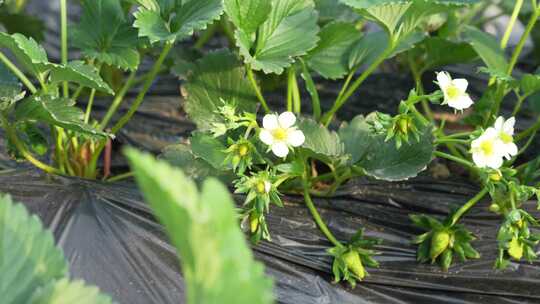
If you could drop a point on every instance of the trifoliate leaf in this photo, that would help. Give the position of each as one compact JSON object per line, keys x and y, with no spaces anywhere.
{"x":218,"y":79}
{"x":488,"y":48}
{"x":105,"y":35}
{"x":169,"y":21}
{"x":289,"y":31}
{"x":330,"y":57}
{"x":29,"y":258}
{"x":202,"y":224}
{"x":80,"y":73}
{"x":10,"y":88}
{"x":55,"y":111}
{"x":247,"y":15}
{"x":28,"y":52}
{"x":380,"y":158}
{"x":319,"y":140}
{"x":64,"y":291}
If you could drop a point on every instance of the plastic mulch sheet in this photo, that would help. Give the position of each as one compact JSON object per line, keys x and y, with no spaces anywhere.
{"x":111,"y":239}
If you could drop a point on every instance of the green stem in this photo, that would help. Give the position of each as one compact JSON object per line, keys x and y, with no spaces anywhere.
{"x":452,"y":140}
{"x":327,"y":118}
{"x":468,"y":206}
{"x":64,"y":41}
{"x":456,"y":159}
{"x":146,"y":86}
{"x":297,"y":102}
{"x":289,"y":92}
{"x":118,"y":100}
{"x":120,"y":177}
{"x":77,"y":93}
{"x":532,"y":130}
{"x":310,"y":85}
{"x":417,"y":75}
{"x":15,"y":70}
{"x":522,"y":41}
{"x":22,"y":149}
{"x":258,"y":92}
{"x":511,"y":23}
{"x":519,"y":104}
{"x":317,"y":217}
{"x":89,"y":106}
{"x":206,"y":36}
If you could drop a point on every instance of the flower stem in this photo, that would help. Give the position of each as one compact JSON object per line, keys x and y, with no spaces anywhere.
{"x":454,"y":158}
{"x":523,"y":40}
{"x":146,"y":86}
{"x":468,"y":206}
{"x":532,"y":130}
{"x":15,"y":70}
{"x":118,"y":100}
{"x":445,"y":140}
{"x":317,"y":217}
{"x":255,"y":86}
{"x":120,"y":177}
{"x":64,"y":41}
{"x":89,"y":106}
{"x":511,"y":23}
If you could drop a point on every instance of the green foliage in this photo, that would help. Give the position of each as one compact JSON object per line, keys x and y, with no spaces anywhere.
{"x":22,"y":23}
{"x":434,"y":53}
{"x":290,"y":30}
{"x":217,"y":80}
{"x":80,"y":73}
{"x":488,"y":48}
{"x":10,"y":89}
{"x":181,"y":156}
{"x":27,"y":51}
{"x":334,"y":10}
{"x":104,"y":34}
{"x":209,"y":148}
{"x":320,"y":141}
{"x":248,"y":15}
{"x":55,"y":111}
{"x":216,"y":261}
{"x":170,"y":21}
{"x":330,"y":57}
{"x":32,"y":269}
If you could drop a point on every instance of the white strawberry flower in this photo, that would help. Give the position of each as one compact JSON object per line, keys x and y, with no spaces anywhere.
{"x":455,"y":91}
{"x":488,"y":150}
{"x":505,"y":128}
{"x":280,"y":134}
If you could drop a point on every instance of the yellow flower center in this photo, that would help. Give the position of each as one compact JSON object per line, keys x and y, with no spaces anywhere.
{"x":453,"y":92}
{"x":261,"y":187}
{"x":279,"y":134}
{"x":487,"y":147}
{"x":506,"y":138}
{"x":243,"y":150}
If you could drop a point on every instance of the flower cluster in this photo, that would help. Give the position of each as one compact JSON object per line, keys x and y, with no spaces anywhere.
{"x":495,"y":144}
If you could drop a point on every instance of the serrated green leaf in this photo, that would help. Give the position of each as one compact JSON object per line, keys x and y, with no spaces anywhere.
{"x":216,"y":79}
{"x":103,"y":34}
{"x":362,"y":4}
{"x":368,"y":49}
{"x":182,"y":157}
{"x":65,"y":291}
{"x":169,"y":21}
{"x":209,"y":148}
{"x":28,"y":256}
{"x":330,"y":57}
{"x":488,"y":48}
{"x":437,"y":53}
{"x":380,"y":158}
{"x":530,"y":84}
{"x":28,"y":52}
{"x":217,"y":263}
{"x":289,"y":31}
{"x":334,"y":10}
{"x":10,"y":88}
{"x":248,"y":15}
{"x":319,"y":140}
{"x":387,"y":15}
{"x":80,"y":73}
{"x":56,"y":111}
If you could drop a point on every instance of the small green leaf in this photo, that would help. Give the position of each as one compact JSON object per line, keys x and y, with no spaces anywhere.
{"x":437,"y":52}
{"x":182,"y":157}
{"x":28,"y":52}
{"x":330,"y":57}
{"x":64,"y":291}
{"x":209,"y":148}
{"x":319,"y":140}
{"x":170,"y":21}
{"x":217,"y":263}
{"x":388,"y":15}
{"x":289,"y":31}
{"x":29,"y":258}
{"x":248,"y":15}
{"x":216,"y":80}
{"x":105,"y":35}
{"x":80,"y":73}
{"x":530,"y":84}
{"x":488,"y":48}
{"x":10,"y":88}
{"x":59,"y":112}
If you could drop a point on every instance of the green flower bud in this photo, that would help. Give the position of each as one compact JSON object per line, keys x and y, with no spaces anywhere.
{"x":515,"y":249}
{"x":404,"y":124}
{"x":243,"y":150}
{"x":496,"y":177}
{"x":439,"y":243}
{"x":354,"y":263}
{"x":253,"y":222}
{"x":494,"y":207}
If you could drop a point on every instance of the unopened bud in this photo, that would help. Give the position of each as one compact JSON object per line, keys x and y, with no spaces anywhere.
{"x":439,"y":243}
{"x":243,"y":150}
{"x":253,"y":222}
{"x":494,"y":207}
{"x":515,"y":249}
{"x":354,"y":263}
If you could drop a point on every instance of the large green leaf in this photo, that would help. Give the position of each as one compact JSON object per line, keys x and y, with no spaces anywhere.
{"x":10,"y":88}
{"x":488,"y":48}
{"x":436,"y":52}
{"x":80,"y":73}
{"x":330,"y":57}
{"x":289,"y":31}
{"x":387,"y":15}
{"x":181,"y":156}
{"x":28,"y":52}
{"x":65,"y":292}
{"x":55,"y":111}
{"x":319,"y":140}
{"x":217,"y":263}
{"x":209,"y":148}
{"x":105,"y":35}
{"x":173,"y":20}
{"x":217,"y":79}
{"x":334,"y":10}
{"x":380,"y":158}
{"x":28,"y":257}
{"x":248,"y":15}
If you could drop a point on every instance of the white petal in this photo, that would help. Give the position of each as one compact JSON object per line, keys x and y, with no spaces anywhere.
{"x":296,"y":138}
{"x":286,"y":120}
{"x":461,"y":84}
{"x":444,"y":80}
{"x":270,"y":122}
{"x":479,"y":160}
{"x":508,"y":126}
{"x":280,"y":149}
{"x":499,"y":123}
{"x":267,"y":186}
{"x":490,"y":133}
{"x":461,"y":103}
{"x":266,"y":137}
{"x":494,"y":162}
{"x":511,"y":149}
